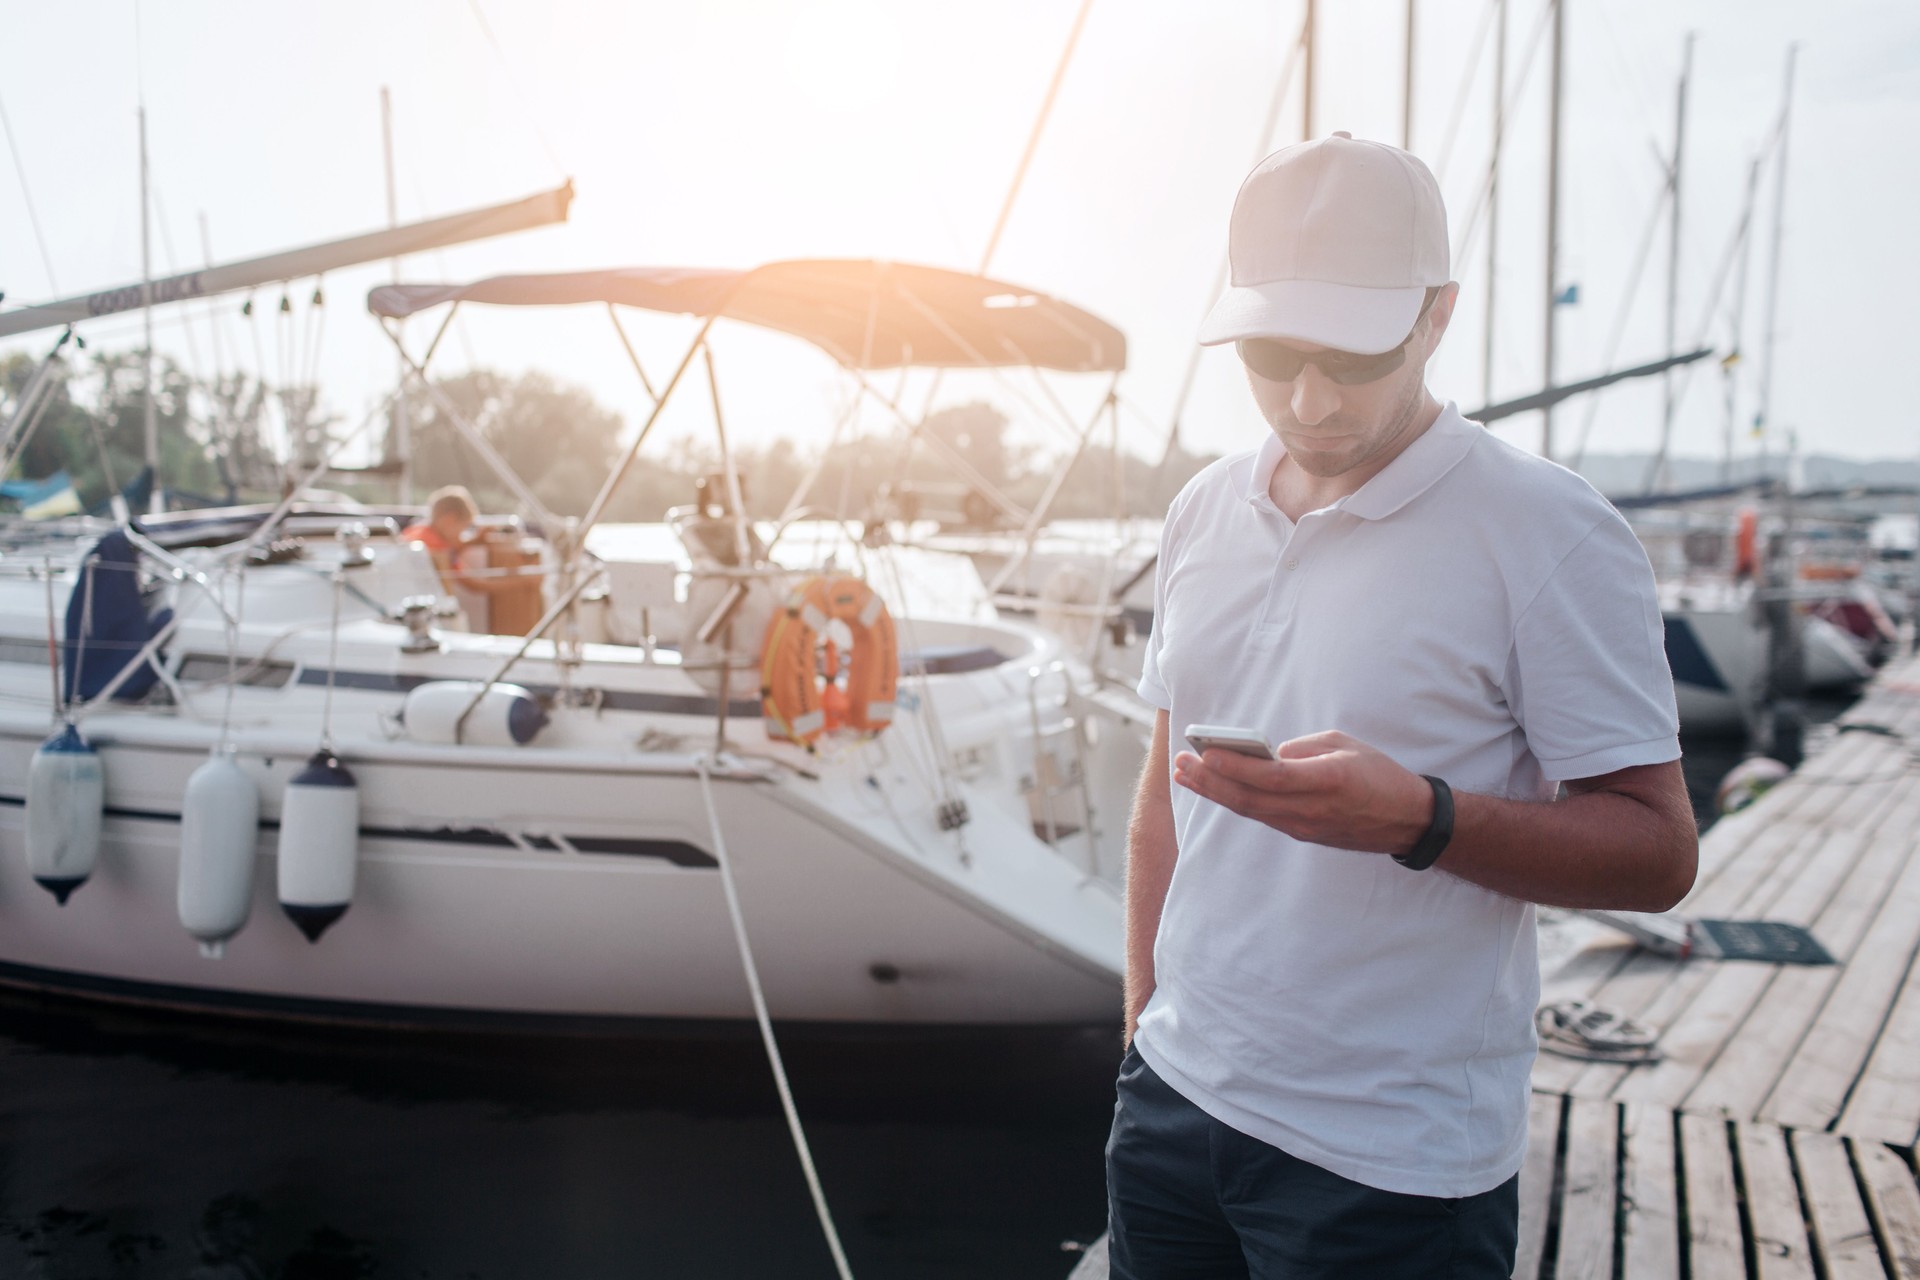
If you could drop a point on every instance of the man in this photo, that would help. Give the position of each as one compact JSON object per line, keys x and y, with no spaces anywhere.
{"x":1331,"y":955}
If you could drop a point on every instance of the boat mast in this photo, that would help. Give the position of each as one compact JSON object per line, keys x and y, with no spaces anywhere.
{"x":1406,"y":87}
{"x":156,"y":502}
{"x":402,"y":419}
{"x":1553,"y":217}
{"x":1763,"y":419}
{"x":1306,"y":82}
{"x":1729,"y":366}
{"x":1493,"y":194}
{"x":1786,"y":652}
{"x":1656,"y":477}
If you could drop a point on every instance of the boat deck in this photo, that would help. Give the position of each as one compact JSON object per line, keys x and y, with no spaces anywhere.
{"x":1774,"y":1138}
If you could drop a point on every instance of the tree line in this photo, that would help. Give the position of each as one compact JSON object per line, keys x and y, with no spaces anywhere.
{"x":234,"y":440}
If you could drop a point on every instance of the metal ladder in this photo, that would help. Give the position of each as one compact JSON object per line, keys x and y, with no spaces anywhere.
{"x":1045,"y":783}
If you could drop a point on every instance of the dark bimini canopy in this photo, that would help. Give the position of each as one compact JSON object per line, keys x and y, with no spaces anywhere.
{"x":866,"y":315}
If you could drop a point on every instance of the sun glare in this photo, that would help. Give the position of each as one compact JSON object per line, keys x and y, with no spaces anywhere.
{"x":843,"y":56}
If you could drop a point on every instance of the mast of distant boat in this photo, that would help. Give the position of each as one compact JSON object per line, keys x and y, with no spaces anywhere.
{"x":156,"y":503}
{"x":1786,"y":661}
{"x":1493,"y":192}
{"x":1656,"y":478}
{"x":1406,"y":87}
{"x":1306,"y":83}
{"x":1553,"y":219}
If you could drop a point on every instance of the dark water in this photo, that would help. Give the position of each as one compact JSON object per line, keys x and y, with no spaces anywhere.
{"x":136,"y":1146}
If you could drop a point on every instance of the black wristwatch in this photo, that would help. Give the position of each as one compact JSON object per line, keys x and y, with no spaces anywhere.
{"x":1428,"y":848}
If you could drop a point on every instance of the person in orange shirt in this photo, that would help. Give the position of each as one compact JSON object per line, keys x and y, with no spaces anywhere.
{"x":451,"y":515}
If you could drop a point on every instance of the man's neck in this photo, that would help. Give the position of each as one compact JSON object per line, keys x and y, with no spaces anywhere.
{"x":1296,"y":491}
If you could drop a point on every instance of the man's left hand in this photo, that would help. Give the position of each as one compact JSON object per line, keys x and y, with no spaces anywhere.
{"x":1325,"y":788}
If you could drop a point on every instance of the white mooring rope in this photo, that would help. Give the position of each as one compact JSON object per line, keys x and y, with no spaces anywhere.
{"x":766,"y":1025}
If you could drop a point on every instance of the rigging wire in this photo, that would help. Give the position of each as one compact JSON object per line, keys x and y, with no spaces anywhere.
{"x":1467,"y":76}
{"x":1481,"y":197}
{"x":173,"y":268}
{"x":1033,"y":138}
{"x":1640,"y":258}
{"x":1019,"y":176}
{"x":519,"y":89}
{"x":26,"y":193}
{"x":1736,"y":242}
{"x":1263,"y":142}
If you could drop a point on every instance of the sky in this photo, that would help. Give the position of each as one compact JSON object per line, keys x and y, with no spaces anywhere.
{"x":733,"y":132}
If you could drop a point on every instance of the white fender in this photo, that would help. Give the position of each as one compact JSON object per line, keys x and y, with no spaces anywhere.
{"x":219,"y":836}
{"x":66,"y":794}
{"x":507,"y":715}
{"x":319,"y":844}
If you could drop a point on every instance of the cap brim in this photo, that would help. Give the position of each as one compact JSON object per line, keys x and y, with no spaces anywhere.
{"x":1341,"y":316}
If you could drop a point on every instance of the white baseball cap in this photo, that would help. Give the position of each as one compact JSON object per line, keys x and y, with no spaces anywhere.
{"x":1333,"y":242}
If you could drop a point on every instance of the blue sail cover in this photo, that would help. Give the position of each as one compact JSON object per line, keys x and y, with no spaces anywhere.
{"x":106,"y":602}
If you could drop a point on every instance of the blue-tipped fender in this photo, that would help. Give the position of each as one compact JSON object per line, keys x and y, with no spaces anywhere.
{"x":319,"y":844}
{"x":66,"y":794}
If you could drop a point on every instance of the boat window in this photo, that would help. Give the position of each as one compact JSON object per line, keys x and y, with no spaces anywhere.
{"x":13,"y":649}
{"x":208,"y":668}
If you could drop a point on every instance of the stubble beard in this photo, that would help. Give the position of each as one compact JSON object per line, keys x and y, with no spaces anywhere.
{"x":1327,"y":466}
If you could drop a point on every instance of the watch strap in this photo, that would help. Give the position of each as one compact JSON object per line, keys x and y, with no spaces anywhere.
{"x":1433,"y":842}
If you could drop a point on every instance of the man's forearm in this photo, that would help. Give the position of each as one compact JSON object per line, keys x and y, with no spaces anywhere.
{"x":1600,"y":848}
{"x":1624,"y":840}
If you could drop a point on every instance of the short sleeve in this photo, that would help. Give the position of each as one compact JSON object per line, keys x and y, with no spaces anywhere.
{"x":1588,"y":679}
{"x":1151,"y":686}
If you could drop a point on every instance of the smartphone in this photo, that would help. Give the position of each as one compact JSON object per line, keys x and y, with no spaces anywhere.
{"x":1248,"y":742}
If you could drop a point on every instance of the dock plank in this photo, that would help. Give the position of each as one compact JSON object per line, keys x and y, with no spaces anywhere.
{"x":1715,"y":1248}
{"x":1885,"y":1105}
{"x":1538,"y":1182}
{"x":1637,"y":985}
{"x":1737,"y":993}
{"x":1649,"y":1194}
{"x":1894,"y":1202}
{"x":1587,"y":1205}
{"x":1842,"y":1233}
{"x":1798,"y":882}
{"x":1818,"y":1021}
{"x":1781,"y":1248}
{"x":1821,"y":1069}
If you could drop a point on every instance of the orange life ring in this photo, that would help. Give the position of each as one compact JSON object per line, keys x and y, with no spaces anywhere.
{"x":798,"y":703}
{"x":1746,"y":543}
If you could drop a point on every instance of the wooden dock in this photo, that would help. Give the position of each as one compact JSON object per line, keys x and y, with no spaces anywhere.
{"x":1774,"y":1139}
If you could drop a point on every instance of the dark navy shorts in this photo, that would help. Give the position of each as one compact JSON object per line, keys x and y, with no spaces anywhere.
{"x":1191,"y":1198}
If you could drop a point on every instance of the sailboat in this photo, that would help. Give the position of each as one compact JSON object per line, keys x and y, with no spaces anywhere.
{"x":537,"y":821}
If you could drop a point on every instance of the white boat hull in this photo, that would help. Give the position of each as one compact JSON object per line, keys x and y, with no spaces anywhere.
{"x":576,"y":877}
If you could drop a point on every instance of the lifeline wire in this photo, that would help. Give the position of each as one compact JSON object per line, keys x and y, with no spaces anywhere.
{"x":53,"y":648}
{"x":766,"y":1024}
{"x":233,"y":657}
{"x":333,"y":667}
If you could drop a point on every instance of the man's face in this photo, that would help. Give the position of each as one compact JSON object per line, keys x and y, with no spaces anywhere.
{"x":1329,"y":429}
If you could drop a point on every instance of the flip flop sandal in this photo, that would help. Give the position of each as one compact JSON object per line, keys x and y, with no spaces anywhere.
{"x":1581,"y":1029}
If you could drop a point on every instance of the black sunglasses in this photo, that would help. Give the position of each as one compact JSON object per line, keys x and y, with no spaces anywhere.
{"x":1278,"y":362}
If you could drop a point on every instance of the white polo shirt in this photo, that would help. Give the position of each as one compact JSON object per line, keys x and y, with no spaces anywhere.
{"x":1478,"y":614}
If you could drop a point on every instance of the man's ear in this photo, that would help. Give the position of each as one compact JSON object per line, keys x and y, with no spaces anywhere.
{"x":1440,"y":314}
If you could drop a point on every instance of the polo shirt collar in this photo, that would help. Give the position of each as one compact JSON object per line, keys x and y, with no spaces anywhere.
{"x":1419,"y":466}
